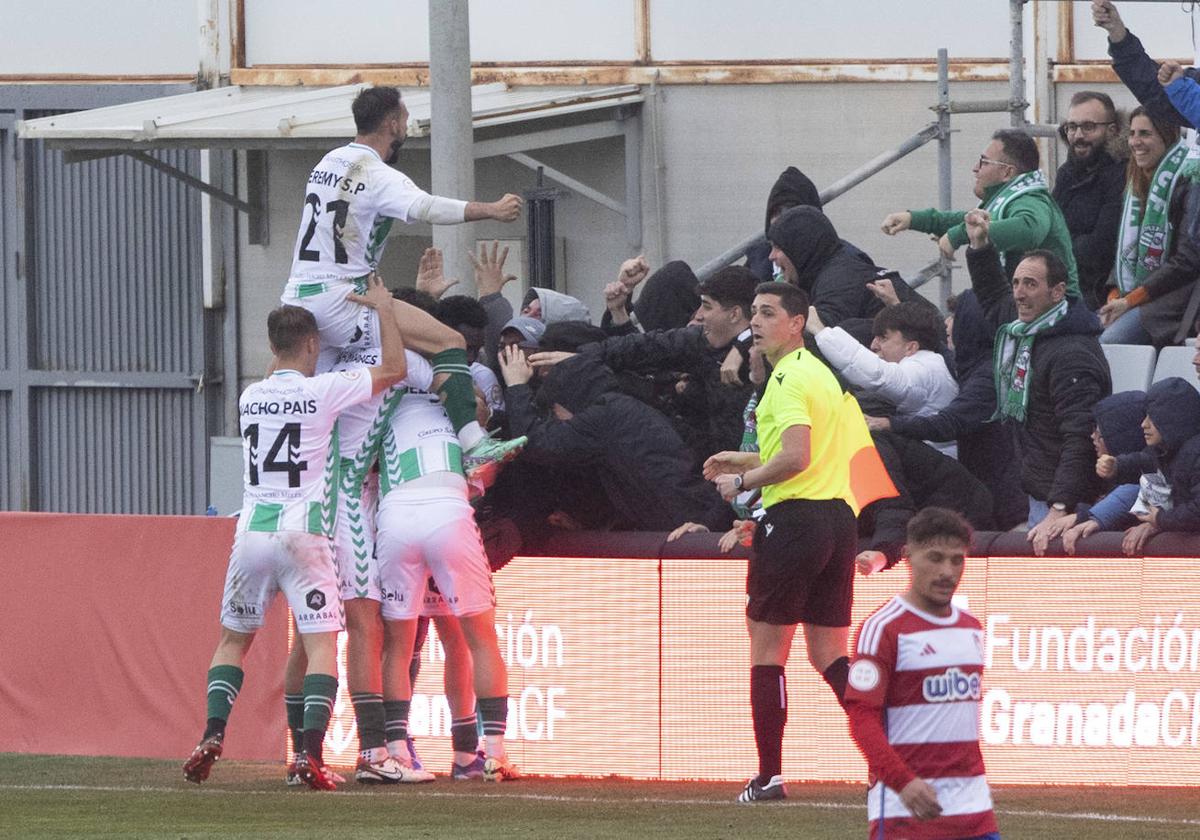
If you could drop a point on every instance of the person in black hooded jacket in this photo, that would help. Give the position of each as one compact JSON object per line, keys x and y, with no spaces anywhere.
{"x":791,"y":189}
{"x":806,"y":247}
{"x":634,"y":453}
{"x":1046,"y":392}
{"x":1172,"y":433}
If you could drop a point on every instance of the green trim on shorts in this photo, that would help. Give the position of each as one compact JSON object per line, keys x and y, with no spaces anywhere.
{"x":304,"y":290}
{"x":265,"y":517}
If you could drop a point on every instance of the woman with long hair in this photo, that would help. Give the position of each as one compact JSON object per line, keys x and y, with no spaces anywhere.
{"x":1139,"y":309}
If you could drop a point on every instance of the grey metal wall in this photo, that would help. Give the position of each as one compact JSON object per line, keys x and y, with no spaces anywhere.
{"x":105,"y":405}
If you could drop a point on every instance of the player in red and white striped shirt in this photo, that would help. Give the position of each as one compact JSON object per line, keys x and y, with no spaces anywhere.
{"x":913,"y":697}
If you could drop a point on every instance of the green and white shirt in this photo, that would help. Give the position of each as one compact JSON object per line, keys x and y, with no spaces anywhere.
{"x":290,"y":450}
{"x":350,"y":202}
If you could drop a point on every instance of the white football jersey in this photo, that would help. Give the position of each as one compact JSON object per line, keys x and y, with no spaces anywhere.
{"x":290,"y":448}
{"x":419,"y":440}
{"x":350,"y":201}
{"x":361,"y":426}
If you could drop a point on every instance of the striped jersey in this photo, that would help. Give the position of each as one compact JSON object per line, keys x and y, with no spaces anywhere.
{"x":350,"y":202}
{"x":419,"y":439}
{"x":290,"y":451}
{"x":913,"y":701}
{"x":361,"y":426}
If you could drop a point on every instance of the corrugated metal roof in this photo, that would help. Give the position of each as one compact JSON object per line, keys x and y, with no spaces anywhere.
{"x":270,"y":116}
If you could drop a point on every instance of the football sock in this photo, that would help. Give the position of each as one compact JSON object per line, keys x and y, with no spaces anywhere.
{"x":493,"y":711}
{"x":836,"y":675}
{"x":368,"y":714}
{"x":224,"y":683}
{"x":414,"y":667}
{"x":463,"y":734}
{"x":395,"y":717}
{"x":320,"y":690}
{"x":768,"y":706}
{"x":294,"y":704}
{"x":459,"y":391}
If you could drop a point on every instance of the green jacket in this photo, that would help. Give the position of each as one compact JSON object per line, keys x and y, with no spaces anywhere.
{"x":1032,"y":220}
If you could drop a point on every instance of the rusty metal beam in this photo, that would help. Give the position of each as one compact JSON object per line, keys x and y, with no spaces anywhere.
{"x":744,"y":73}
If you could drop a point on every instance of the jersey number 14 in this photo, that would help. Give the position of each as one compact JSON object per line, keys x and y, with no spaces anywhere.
{"x":287,"y":442}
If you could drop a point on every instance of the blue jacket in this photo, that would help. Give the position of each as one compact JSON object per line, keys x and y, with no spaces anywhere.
{"x":1139,"y":72}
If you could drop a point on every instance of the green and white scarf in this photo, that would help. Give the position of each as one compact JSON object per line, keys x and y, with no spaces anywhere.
{"x":1010,"y":361}
{"x":1026,"y":182}
{"x":1145,"y":235}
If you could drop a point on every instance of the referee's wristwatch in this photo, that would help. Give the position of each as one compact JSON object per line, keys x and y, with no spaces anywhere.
{"x":738,"y":482}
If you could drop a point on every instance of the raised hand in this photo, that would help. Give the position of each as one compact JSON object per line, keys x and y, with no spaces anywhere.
{"x":489,"y":269}
{"x":429,"y":274}
{"x":893,"y":223}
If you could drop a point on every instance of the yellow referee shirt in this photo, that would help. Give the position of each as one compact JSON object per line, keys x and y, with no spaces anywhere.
{"x":803,"y":392}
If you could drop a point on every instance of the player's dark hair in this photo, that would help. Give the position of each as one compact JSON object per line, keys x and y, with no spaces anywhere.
{"x":731,"y":286}
{"x":1019,"y":148}
{"x":288,"y":327}
{"x":457,"y":310}
{"x":372,"y":106}
{"x":914,"y":320}
{"x":1056,"y":269}
{"x":793,"y":299}
{"x":415,"y":297}
{"x":936,"y":523}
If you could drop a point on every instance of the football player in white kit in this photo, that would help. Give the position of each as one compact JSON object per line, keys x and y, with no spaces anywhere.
{"x":352,"y":197}
{"x":283,"y":542}
{"x":426,"y":528}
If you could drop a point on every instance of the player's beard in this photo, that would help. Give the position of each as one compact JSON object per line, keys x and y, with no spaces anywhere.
{"x":394,"y":152}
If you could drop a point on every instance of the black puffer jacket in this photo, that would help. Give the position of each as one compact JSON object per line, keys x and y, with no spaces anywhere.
{"x":711,"y":415}
{"x":1090,"y":194}
{"x":632,"y":450}
{"x":924,"y":477}
{"x":985,"y":448}
{"x":1068,"y":376}
{"x":836,"y":280}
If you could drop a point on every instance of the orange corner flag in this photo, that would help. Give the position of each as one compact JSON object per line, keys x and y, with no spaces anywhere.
{"x":869,"y":479}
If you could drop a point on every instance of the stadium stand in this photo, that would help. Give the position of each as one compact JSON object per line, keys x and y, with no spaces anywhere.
{"x":1174,"y":361}
{"x":1131,"y":366}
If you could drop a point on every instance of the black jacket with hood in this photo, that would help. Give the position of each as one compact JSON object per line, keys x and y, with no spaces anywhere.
{"x":835,"y":279}
{"x":711,"y":413}
{"x":1174,"y":407}
{"x":633,"y":451}
{"x":791,"y":189}
{"x":1069,"y":375}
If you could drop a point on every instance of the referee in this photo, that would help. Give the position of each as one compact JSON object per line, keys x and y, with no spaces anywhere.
{"x":802,"y":569}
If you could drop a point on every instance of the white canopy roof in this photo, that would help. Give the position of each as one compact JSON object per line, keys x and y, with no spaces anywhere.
{"x":272,"y":116}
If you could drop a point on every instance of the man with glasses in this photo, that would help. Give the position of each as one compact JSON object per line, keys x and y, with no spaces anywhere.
{"x":1014,"y":193}
{"x":1089,"y":188}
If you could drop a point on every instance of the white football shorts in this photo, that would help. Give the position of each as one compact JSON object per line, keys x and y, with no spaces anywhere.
{"x":293,"y":562}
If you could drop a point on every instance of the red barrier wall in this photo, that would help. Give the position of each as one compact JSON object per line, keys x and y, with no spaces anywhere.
{"x":109,"y":624}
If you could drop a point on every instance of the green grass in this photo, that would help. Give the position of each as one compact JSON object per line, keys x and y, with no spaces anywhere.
{"x":56,"y":796}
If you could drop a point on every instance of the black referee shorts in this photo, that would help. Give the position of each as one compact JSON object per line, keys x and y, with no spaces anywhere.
{"x":802,"y":570}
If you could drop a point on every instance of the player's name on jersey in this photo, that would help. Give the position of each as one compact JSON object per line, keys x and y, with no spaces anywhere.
{"x":279,"y":407}
{"x":332,"y":179}
{"x":370,"y":358}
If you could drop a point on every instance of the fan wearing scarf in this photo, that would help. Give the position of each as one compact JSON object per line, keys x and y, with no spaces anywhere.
{"x":1049,"y":373}
{"x":1140,"y":301}
{"x":1013,"y":191}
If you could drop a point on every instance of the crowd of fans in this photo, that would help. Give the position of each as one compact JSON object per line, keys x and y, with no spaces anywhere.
{"x":999,"y":409}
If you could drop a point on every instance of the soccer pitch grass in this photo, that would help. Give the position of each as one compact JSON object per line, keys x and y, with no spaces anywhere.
{"x":56,"y":796}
